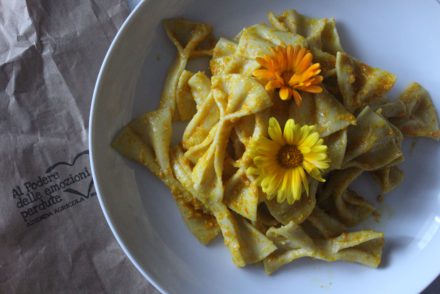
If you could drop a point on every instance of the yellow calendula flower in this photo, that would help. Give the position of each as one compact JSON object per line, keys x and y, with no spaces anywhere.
{"x":283,"y":161}
{"x":290,"y":70}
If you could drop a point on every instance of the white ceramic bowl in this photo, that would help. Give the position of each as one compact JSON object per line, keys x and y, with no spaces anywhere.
{"x":400,"y":36}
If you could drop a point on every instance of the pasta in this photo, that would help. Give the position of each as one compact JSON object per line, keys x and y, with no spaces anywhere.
{"x":277,"y":194}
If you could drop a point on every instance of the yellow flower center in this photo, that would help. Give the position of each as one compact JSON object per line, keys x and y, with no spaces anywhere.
{"x":289,"y":156}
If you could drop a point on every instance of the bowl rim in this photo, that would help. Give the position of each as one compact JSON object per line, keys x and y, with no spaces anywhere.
{"x":118,"y":38}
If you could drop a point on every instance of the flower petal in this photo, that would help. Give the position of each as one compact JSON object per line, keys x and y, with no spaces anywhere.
{"x":289,"y":131}
{"x":252,"y":171}
{"x":264,"y":146}
{"x":271,"y":184}
{"x":319,"y":148}
{"x":297,"y":135}
{"x":305,"y":133}
{"x":275,"y":131}
{"x":304,"y":180}
{"x":304,"y":149}
{"x":274,"y":84}
{"x":296,"y":186}
{"x":308,"y":166}
{"x":263,"y":74}
{"x":316,"y":162}
{"x":290,"y":52}
{"x":284,"y":93}
{"x":311,"y":89}
{"x":300,"y":52}
{"x":305,"y":62}
{"x":318,"y":156}
{"x":297,"y":97}
{"x":283,"y":191}
{"x":310,"y":140}
{"x":314,"y":173}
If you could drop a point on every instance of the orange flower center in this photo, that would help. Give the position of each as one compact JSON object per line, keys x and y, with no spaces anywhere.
{"x":286,"y":75}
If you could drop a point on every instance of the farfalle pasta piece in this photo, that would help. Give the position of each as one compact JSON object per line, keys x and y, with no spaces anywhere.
{"x":224,"y":217}
{"x":296,"y":212}
{"x":265,"y":220}
{"x":236,"y":96}
{"x":361,"y":84}
{"x":388,"y":177}
{"x":337,"y":145}
{"x":373,"y":142}
{"x":392,"y":109}
{"x":331,"y":116}
{"x":321,"y":225}
{"x":201,"y":125}
{"x":245,"y":243}
{"x":344,"y":204}
{"x":421,"y":118}
{"x":255,"y":245}
{"x":352,"y":208}
{"x":320,"y":33}
{"x":185,"y":104}
{"x":186,"y":36}
{"x":255,"y":125}
{"x":364,"y":247}
{"x":195,"y":152}
{"x":208,"y":170}
{"x":337,"y":182}
{"x":239,"y":139}
{"x":200,"y":86}
{"x":226,"y":61}
{"x":327,"y":61}
{"x":159,"y":129}
{"x":257,"y":40}
{"x":246,"y":128}
{"x":239,"y":96}
{"x":292,"y":243}
{"x":131,"y":142}
{"x":241,"y":195}
{"x":147,"y":126}
{"x":324,"y":111}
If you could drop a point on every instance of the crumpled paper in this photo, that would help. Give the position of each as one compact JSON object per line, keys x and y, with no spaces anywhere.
{"x":53,"y":235}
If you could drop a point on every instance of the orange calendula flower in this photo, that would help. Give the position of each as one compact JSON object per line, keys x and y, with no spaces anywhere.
{"x":290,"y":70}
